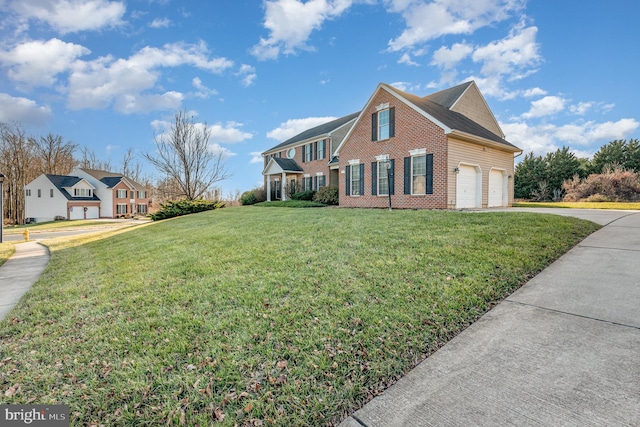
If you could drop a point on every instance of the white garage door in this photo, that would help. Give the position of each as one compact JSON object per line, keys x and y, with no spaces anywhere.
{"x":496,"y":189}
{"x":77,"y":212}
{"x":467,"y":187}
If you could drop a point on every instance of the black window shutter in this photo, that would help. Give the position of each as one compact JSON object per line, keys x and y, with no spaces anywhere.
{"x":315,"y":183}
{"x":303,"y":153}
{"x":362,"y":179}
{"x":407,"y":175}
{"x":315,"y":150}
{"x":348,"y":180}
{"x":324,"y":148}
{"x":392,"y":182}
{"x":374,"y":178}
{"x":429,"y":173}
{"x":392,"y":122}
{"x":374,"y":127}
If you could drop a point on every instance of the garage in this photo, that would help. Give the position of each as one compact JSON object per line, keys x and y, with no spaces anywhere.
{"x":78,"y":212}
{"x":497,"y":188}
{"x":467,"y":187}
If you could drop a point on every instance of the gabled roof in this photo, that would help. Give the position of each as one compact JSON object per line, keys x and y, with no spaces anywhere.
{"x":111,"y":179}
{"x":279,"y":165}
{"x":316,"y":132}
{"x":62,"y":182}
{"x":448,"y":97}
{"x":450,"y":121}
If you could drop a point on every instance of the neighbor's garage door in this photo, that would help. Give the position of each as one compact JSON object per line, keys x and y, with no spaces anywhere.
{"x":467,"y":187}
{"x":77,"y":212}
{"x":496,"y":189}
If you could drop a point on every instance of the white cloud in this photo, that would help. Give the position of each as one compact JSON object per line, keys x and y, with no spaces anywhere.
{"x":247,"y":75}
{"x":292,"y":127}
{"x":125,"y":82}
{"x":544,"y":138}
{"x":38,"y":63}
{"x":218,"y":149}
{"x":581,"y":108}
{"x":160,"y":23}
{"x":406,"y":59}
{"x":203,"y":91}
{"x":510,"y":56}
{"x":545,"y":107}
{"x":70,"y":16}
{"x":23,"y":111}
{"x":448,"y":58}
{"x":228,"y":133}
{"x":426,"y":21}
{"x":290,"y":23}
{"x":256,"y":157}
{"x":536,"y":91}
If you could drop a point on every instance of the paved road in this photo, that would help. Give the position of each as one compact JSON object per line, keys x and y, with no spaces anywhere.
{"x":563,"y":350}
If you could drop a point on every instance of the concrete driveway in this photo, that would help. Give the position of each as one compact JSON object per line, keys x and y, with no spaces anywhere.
{"x":563,"y":350}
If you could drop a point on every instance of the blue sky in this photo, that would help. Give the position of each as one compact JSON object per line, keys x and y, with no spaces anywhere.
{"x":107,"y":75}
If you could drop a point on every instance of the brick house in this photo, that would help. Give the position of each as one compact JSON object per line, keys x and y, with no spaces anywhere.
{"x":306,"y":161}
{"x":442,"y":151}
{"x":119,"y":195}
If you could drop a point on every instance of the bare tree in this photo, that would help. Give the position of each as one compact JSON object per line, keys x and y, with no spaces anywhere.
{"x":53,"y":154}
{"x":89,"y":160}
{"x":131,"y":168}
{"x":16,"y":157}
{"x":184,"y":156}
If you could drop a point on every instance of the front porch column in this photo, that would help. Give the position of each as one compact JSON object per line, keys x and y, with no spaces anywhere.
{"x":268,"y":188}
{"x":283,"y":184}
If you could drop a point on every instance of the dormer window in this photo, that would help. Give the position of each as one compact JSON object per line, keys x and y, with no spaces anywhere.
{"x":82,"y":192}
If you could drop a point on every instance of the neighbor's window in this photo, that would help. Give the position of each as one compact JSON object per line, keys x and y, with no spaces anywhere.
{"x":277,"y":188}
{"x":82,"y":192}
{"x":39,"y":193}
{"x":322,"y":181}
{"x":121,"y":209}
{"x":51,"y":192}
{"x":308,"y":153}
{"x":142,"y":194}
{"x":121,"y":194}
{"x":27,"y":192}
{"x":142,"y":209}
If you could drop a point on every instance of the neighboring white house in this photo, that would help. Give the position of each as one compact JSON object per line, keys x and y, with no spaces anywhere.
{"x":84,"y":194}
{"x":60,"y":196}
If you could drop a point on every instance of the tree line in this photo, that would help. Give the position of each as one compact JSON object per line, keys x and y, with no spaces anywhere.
{"x":541,"y":177}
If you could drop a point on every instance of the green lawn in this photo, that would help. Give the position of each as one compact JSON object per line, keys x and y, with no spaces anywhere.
{"x":6,"y":250}
{"x":580,"y":205}
{"x":246,"y":315}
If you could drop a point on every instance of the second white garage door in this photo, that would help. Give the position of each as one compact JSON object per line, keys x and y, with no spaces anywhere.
{"x":497,"y":190}
{"x":467,"y":187}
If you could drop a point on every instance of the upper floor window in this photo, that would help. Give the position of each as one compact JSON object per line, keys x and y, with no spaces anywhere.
{"x":322,"y":149}
{"x":51,"y":192}
{"x":383,"y":123}
{"x":142,"y":194}
{"x":82,"y":192}
{"x":121,"y":194}
{"x":39,"y":192}
{"x":27,"y":192}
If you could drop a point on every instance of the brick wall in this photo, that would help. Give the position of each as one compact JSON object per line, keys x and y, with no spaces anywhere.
{"x":412,"y":131}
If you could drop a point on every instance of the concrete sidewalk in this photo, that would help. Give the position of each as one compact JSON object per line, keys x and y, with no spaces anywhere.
{"x":562,"y":350}
{"x":20,"y":272}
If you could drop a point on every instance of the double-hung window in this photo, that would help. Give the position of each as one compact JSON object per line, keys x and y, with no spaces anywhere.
{"x":322,"y":147}
{"x":307,"y":183}
{"x":321,"y":181}
{"x":418,"y":174}
{"x":354,"y":176}
{"x":383,"y":123}
{"x":382,"y":176}
{"x":121,"y":194}
{"x":121,"y":209}
{"x":383,"y":179}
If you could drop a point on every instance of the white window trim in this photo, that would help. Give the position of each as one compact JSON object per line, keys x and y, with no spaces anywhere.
{"x":381,"y":107}
{"x":354,"y":162}
{"x":417,"y":152}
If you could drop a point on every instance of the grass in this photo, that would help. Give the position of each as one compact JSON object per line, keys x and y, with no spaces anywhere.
{"x":246,"y":316}
{"x":580,"y":205}
{"x":6,"y":250}
{"x":62,"y":225}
